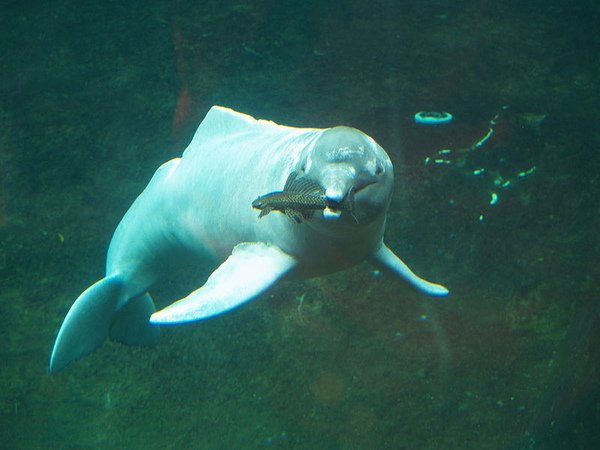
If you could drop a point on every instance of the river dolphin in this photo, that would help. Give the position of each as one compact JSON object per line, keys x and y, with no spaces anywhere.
{"x":198,"y":209}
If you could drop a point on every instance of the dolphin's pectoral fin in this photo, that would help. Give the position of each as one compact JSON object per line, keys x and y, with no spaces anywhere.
{"x":250,"y":270}
{"x":130,"y":325}
{"x":386,"y":259}
{"x":87,"y":323}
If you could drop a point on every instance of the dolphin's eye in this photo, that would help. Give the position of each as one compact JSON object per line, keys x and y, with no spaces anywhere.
{"x":379,"y":169}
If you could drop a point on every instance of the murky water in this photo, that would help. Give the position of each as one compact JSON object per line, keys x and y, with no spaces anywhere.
{"x":500,"y":205}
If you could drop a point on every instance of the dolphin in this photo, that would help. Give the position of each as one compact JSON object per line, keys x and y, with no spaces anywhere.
{"x":198,"y":209}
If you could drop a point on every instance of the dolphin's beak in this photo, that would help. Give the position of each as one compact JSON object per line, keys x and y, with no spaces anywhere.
{"x":335,"y":193}
{"x":335,"y":196}
{"x":338,"y":188}
{"x":337,"y":202}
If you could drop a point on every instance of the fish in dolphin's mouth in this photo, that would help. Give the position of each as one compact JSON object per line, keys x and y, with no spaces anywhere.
{"x":300,"y":198}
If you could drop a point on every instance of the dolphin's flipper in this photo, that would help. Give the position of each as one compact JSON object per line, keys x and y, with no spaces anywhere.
{"x":130,"y":326}
{"x":386,"y":259}
{"x":87,"y":323}
{"x":250,"y":270}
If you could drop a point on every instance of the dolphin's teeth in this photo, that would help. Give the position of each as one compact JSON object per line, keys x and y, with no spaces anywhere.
{"x":329,"y":213}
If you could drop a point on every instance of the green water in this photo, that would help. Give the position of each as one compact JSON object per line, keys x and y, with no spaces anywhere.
{"x":95,"y":95}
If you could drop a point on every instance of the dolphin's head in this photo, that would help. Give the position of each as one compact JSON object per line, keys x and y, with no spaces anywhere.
{"x":351,"y":166}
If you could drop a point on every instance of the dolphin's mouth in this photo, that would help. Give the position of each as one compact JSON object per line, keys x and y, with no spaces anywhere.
{"x":341,"y":203}
{"x":332,"y":214}
{"x":357,"y":205}
{"x":364,"y":192}
{"x":336,"y":206}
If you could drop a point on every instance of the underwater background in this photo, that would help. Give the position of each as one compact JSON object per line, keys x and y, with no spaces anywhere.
{"x":500,"y":205}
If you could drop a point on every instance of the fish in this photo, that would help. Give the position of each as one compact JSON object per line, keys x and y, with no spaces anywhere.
{"x":300,"y":198}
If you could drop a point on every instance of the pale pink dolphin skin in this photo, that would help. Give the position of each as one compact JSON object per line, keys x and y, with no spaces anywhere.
{"x":198,"y":209}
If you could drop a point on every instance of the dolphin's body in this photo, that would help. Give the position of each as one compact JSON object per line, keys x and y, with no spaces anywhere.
{"x":199,"y":208}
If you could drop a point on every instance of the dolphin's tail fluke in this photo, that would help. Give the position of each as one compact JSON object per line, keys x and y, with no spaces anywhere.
{"x":103,"y":310}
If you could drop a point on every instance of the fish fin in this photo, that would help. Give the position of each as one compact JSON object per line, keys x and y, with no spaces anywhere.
{"x":290,"y":180}
{"x":308,"y":214}
{"x":130,"y":325}
{"x":264,"y":211}
{"x":302,"y":185}
{"x":294,"y":215}
{"x":252,"y":268}
{"x":386,"y":259}
{"x":87,"y":323}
